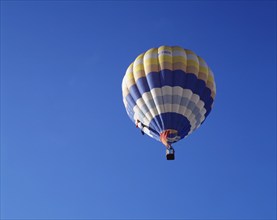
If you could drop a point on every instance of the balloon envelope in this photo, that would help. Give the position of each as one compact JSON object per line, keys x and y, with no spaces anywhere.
{"x":168,"y":92}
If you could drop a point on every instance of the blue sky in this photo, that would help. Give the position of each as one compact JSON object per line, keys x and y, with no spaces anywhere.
{"x":68,"y":149}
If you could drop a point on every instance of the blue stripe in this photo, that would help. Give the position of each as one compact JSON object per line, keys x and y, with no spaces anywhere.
{"x":173,"y":78}
{"x":130,"y":113}
{"x":169,"y":78}
{"x":155,"y":134}
{"x":136,"y":92}
{"x":183,"y":126}
{"x":131,"y":104}
{"x":130,"y":101}
{"x":142,"y":85}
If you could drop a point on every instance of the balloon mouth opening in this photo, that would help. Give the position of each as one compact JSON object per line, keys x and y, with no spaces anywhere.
{"x":169,"y":137}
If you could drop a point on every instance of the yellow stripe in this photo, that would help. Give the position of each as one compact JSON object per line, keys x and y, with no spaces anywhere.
{"x":151,"y":68}
{"x":165,"y":58}
{"x":161,"y":48}
{"x":213,"y":94}
{"x":166,"y":65}
{"x":129,"y":72}
{"x":211,"y":87}
{"x":151,"y":51}
{"x":193,"y":63}
{"x":151,"y":64}
{"x":179,"y":59}
{"x":179,"y":66}
{"x":138,"y":68}
{"x":202,"y":76}
{"x":129,"y":76}
{"x":202,"y":65}
{"x":150,"y":61}
{"x":140,"y":57}
{"x":139,"y":74}
{"x":129,"y":83}
{"x":203,"y":70}
{"x":189,"y":52}
{"x":210,"y":82}
{"x":210,"y":78}
{"x":192,"y":69}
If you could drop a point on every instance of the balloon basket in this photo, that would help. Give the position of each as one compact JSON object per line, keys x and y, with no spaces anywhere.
{"x":170,"y":154}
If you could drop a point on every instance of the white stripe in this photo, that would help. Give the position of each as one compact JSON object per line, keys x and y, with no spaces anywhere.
{"x":125,"y":91}
{"x":193,"y":98}
{"x":202,"y":63}
{"x":140,"y":103}
{"x":125,"y":102}
{"x":152,"y":112}
{"x":138,"y":61}
{"x":154,"y":93}
{"x":179,"y":53}
{"x":167,"y":90}
{"x":192,"y":57}
{"x":130,"y":69}
{"x":159,"y":109}
{"x":150,"y":55}
{"x":145,"y":118}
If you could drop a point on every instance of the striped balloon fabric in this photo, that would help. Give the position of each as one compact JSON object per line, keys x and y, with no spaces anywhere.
{"x":168,"y":92}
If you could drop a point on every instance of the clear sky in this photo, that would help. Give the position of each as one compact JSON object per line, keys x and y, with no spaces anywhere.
{"x":68,"y":148}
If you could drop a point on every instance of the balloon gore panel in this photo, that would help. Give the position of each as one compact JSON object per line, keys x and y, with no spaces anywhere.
{"x":168,"y":88}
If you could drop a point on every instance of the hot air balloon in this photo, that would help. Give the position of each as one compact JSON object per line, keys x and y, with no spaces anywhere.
{"x":168,"y":92}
